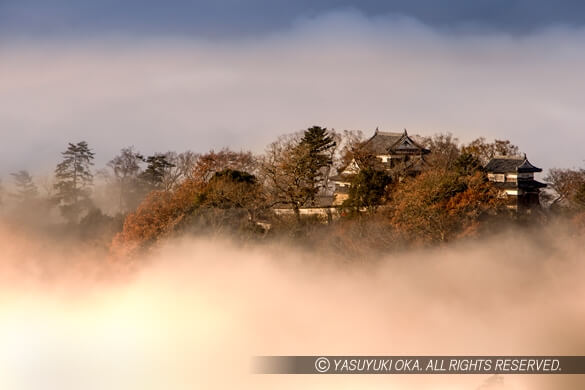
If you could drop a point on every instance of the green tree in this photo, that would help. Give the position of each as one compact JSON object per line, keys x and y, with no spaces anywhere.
{"x":74,"y":180}
{"x":467,"y":164}
{"x":318,"y":145}
{"x":367,"y":190}
{"x":319,"y":142}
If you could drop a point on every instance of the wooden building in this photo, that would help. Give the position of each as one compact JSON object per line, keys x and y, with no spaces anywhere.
{"x":396,"y":151}
{"x":514,"y":175}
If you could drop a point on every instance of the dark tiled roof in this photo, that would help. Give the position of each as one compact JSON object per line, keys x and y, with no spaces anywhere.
{"x":381,"y":142}
{"x":527,"y":167}
{"x":529,"y":184}
{"x":506,"y":164}
{"x":388,"y":143}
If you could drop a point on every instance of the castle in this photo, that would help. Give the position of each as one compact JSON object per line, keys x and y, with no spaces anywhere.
{"x":394,"y":150}
{"x":513,"y":175}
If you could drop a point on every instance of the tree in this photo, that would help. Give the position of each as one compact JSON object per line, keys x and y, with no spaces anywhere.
{"x":444,"y":151}
{"x":467,"y":164}
{"x":363,"y":157}
{"x":74,"y":179}
{"x":25,"y":187}
{"x":232,"y":189}
{"x":221,"y":191}
{"x":438,"y":206}
{"x":369,"y":186}
{"x":320,"y":148}
{"x":157,"y":216}
{"x":367,"y":190}
{"x":207,"y":165}
{"x":229,"y":199}
{"x":285,"y":175}
{"x":350,"y":143}
{"x":154,"y":174}
{"x":579,"y":197}
{"x":184,"y":166}
{"x":288,"y":175}
{"x":126,"y":168}
{"x":295,"y":167}
{"x":485,"y":151}
{"x":567,"y":184}
{"x":47,"y":186}
{"x":181,"y":167}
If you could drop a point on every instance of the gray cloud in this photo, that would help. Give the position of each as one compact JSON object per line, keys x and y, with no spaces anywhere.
{"x":233,"y":17}
{"x":340,"y":70}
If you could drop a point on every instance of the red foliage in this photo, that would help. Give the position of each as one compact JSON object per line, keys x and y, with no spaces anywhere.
{"x":156,"y":217}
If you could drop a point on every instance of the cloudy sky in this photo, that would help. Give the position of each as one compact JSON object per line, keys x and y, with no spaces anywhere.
{"x":191,"y":74}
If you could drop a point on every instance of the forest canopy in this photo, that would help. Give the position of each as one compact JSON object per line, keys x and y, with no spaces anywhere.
{"x":291,"y":191}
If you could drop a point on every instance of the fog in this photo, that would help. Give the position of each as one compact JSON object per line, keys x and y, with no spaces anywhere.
{"x":192,"y":313}
{"x":340,"y":70}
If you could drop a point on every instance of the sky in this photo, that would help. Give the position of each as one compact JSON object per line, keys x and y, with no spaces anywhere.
{"x":196,"y":75}
{"x":235,"y":17}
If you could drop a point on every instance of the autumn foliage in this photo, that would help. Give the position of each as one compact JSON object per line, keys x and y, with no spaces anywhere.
{"x":437,"y":206}
{"x":156,"y":217}
{"x":447,"y":198}
{"x":221,"y":191}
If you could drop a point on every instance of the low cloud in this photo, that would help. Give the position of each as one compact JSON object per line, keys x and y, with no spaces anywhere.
{"x":198,"y":310}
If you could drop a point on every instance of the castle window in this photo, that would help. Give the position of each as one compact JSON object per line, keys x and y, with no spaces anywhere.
{"x":497,"y":177}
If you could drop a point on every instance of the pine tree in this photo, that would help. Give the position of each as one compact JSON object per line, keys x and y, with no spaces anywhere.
{"x":319,"y":142}
{"x":316,"y":146}
{"x":74,"y":179}
{"x":155,"y":171}
{"x":25,"y":187}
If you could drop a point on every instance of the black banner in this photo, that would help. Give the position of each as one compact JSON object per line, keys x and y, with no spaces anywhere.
{"x":419,"y":365}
